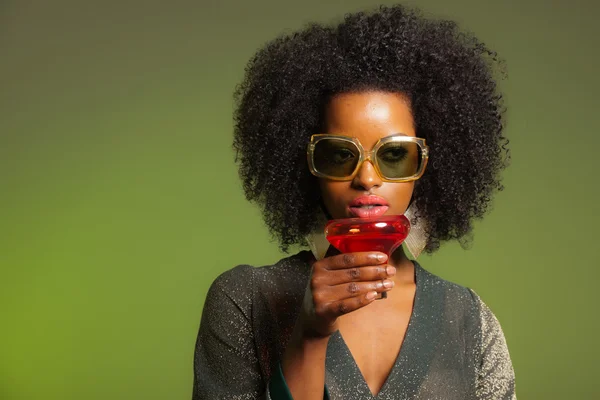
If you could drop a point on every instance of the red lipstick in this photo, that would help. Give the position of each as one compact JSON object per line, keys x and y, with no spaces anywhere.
{"x":368,"y":206}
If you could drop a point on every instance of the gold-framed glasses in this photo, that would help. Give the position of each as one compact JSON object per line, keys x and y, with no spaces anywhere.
{"x":396,"y":158}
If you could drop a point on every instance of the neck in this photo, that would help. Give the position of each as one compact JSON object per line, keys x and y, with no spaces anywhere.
{"x":398,"y":257}
{"x":405,"y":269}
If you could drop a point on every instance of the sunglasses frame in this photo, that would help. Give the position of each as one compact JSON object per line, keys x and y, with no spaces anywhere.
{"x":368,"y":155}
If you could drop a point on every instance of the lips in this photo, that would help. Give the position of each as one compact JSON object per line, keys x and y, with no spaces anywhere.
{"x":368,"y":206}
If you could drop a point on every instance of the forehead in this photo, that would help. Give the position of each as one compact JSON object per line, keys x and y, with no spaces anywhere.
{"x":369,"y":116}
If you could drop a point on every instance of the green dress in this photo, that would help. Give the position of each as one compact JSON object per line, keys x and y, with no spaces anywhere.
{"x":454,"y":348}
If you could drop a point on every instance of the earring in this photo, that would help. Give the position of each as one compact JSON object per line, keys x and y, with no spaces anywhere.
{"x":316,"y":240}
{"x":417,"y":237}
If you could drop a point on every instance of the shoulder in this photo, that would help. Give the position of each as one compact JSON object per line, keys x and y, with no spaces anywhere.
{"x":238,"y":285}
{"x":235,"y":280}
{"x":459,"y":301}
{"x":462,"y":303}
{"x":286,"y":275}
{"x":450,"y":291}
{"x":229,"y":291}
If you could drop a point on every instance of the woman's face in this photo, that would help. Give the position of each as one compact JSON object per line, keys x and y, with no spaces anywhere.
{"x":368,"y":116}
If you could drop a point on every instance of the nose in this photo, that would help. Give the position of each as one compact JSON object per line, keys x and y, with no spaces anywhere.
{"x":366,"y":177}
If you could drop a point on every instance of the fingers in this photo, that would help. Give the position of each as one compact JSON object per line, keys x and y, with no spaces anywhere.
{"x":352,"y":267}
{"x":346,"y":282}
{"x":360,"y":274}
{"x":338,"y":308}
{"x":354,"y":289}
{"x":332,"y":294}
{"x":351,"y":260}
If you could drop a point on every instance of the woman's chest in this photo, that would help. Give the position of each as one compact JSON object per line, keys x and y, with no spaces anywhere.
{"x":375,"y":339}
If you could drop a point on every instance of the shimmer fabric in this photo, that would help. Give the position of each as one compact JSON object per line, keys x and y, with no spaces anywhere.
{"x":454,"y":348}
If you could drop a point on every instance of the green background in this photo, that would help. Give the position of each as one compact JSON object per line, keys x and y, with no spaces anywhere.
{"x":120,"y":201}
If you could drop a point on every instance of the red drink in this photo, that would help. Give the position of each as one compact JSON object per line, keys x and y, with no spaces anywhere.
{"x":383,"y":233}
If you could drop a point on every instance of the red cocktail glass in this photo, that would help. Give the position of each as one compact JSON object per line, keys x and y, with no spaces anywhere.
{"x":384,"y":234}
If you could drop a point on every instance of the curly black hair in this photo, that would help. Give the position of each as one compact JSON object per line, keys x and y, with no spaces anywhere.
{"x":447,"y":74}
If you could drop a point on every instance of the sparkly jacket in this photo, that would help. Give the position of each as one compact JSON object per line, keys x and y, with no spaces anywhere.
{"x":454,"y":348}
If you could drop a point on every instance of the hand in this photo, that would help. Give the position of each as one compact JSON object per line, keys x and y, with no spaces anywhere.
{"x":339,"y":285}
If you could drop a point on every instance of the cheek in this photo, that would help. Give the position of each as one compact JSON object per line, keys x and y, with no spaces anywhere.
{"x":328,"y":191}
{"x":400,"y":194}
{"x":332,"y":194}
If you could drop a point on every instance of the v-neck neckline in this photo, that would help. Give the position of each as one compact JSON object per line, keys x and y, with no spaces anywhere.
{"x":415,"y":352}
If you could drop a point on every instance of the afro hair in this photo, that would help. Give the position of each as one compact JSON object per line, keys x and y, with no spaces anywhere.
{"x":449,"y":78}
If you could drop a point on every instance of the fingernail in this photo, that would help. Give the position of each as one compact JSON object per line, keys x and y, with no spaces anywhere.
{"x":391,"y":271}
{"x":371,"y":295}
{"x":381,"y":257}
{"x":388,"y":283}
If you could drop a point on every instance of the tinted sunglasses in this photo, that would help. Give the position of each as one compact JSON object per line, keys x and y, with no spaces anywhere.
{"x":396,"y":158}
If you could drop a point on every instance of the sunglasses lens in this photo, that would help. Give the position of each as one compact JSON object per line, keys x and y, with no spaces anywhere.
{"x":398,"y":160}
{"x":335,"y":158}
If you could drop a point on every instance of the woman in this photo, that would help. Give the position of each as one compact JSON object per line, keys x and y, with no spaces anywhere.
{"x":339,"y":122}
